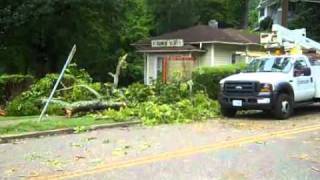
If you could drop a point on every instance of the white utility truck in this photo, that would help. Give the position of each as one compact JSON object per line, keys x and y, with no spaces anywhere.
{"x":276,"y":84}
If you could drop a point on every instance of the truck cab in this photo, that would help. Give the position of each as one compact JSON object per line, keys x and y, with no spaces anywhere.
{"x":276,"y":84}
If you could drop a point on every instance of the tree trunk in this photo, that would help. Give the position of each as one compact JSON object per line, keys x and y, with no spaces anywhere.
{"x":245,"y":16}
{"x":121,"y":63}
{"x":285,"y":9}
{"x":87,"y":106}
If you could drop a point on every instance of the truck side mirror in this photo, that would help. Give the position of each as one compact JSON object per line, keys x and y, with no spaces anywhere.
{"x":307,"y":71}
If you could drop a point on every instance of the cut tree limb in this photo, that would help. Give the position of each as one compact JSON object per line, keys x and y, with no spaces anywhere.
{"x":94,"y":92}
{"x":2,"y":112}
{"x":116,"y":75}
{"x":87,"y":106}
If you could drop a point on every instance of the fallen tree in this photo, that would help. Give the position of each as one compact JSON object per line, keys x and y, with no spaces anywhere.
{"x":71,"y":109}
{"x":97,"y":104}
{"x":89,"y":106}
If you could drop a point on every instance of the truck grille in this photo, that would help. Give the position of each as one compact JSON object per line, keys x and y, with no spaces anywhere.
{"x":241,"y":88}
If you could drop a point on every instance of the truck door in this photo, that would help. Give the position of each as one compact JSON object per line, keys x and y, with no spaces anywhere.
{"x":303,"y":81}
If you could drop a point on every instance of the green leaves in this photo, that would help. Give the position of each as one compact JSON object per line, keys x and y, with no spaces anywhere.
{"x":307,"y":16}
{"x":76,"y":84}
{"x":165,"y":104}
{"x":173,"y":15}
{"x":207,"y":79}
{"x":197,"y":108}
{"x":35,"y":35}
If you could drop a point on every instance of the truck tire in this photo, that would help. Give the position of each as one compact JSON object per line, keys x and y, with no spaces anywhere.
{"x":228,"y":112}
{"x":283,"y":107}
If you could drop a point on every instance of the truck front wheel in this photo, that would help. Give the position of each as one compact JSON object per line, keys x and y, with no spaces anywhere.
{"x":228,"y":112}
{"x":283,"y":107}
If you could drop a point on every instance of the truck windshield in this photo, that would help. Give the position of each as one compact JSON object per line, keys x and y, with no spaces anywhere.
{"x":272,"y":64}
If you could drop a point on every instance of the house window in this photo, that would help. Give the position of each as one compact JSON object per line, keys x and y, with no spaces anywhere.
{"x":233,"y":59}
{"x":238,"y":58}
{"x":159,"y":66}
{"x":262,"y":10}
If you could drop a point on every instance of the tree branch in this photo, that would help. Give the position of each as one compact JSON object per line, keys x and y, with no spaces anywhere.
{"x":94,"y":92}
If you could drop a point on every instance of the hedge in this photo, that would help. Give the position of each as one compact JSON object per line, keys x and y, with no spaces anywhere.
{"x":28,"y":103}
{"x":208,"y":78}
{"x":13,"y":85}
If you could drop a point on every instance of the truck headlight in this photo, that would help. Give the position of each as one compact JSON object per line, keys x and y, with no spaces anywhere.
{"x":265,"y":88}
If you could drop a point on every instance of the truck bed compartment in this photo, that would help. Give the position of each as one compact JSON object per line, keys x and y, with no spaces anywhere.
{"x":316,"y":72}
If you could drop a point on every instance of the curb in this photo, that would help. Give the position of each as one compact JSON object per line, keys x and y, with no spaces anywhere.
{"x":12,"y":138}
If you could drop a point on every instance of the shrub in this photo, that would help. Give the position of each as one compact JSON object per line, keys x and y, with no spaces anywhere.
{"x":29,"y":102}
{"x":13,"y":85}
{"x":208,"y":78}
{"x":22,"y":106}
{"x":172,"y":92}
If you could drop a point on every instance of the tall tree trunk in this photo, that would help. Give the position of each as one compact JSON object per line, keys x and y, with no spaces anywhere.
{"x":285,"y":9}
{"x":41,"y":56}
{"x":245,"y":16}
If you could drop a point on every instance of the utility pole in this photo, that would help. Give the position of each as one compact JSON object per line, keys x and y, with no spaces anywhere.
{"x":285,"y":9}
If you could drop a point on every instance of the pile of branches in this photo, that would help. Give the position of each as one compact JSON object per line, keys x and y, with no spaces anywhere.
{"x":97,"y":104}
{"x":77,"y":94}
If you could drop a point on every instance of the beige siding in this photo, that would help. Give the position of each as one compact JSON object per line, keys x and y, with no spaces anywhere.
{"x":206,"y":58}
{"x":215,"y":55}
{"x":223,"y":53}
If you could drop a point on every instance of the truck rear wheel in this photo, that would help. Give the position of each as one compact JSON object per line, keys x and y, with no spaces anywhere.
{"x":228,"y":112}
{"x":283,"y":107}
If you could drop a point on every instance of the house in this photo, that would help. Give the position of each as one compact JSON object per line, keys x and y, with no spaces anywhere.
{"x":273,"y":10}
{"x":177,"y":54}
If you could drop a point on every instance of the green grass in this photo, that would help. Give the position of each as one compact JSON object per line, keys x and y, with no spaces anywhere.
{"x":14,"y":118}
{"x":31,"y":124}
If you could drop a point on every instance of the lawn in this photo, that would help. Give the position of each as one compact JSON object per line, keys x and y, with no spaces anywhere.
{"x":17,"y":125}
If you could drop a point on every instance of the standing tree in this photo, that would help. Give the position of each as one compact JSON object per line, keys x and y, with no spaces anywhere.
{"x":36,"y":34}
{"x":245,"y":16}
{"x":308,"y":16}
{"x":173,"y":15}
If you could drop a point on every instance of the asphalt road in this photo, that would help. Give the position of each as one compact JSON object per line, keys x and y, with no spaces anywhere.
{"x":251,"y":146}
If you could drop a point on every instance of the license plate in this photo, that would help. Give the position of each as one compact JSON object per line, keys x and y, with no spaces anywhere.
{"x":237,"y":103}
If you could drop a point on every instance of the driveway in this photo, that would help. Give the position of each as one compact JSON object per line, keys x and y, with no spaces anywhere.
{"x":251,"y":146}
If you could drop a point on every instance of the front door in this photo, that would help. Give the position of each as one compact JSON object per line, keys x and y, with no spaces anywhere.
{"x":304,"y":84}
